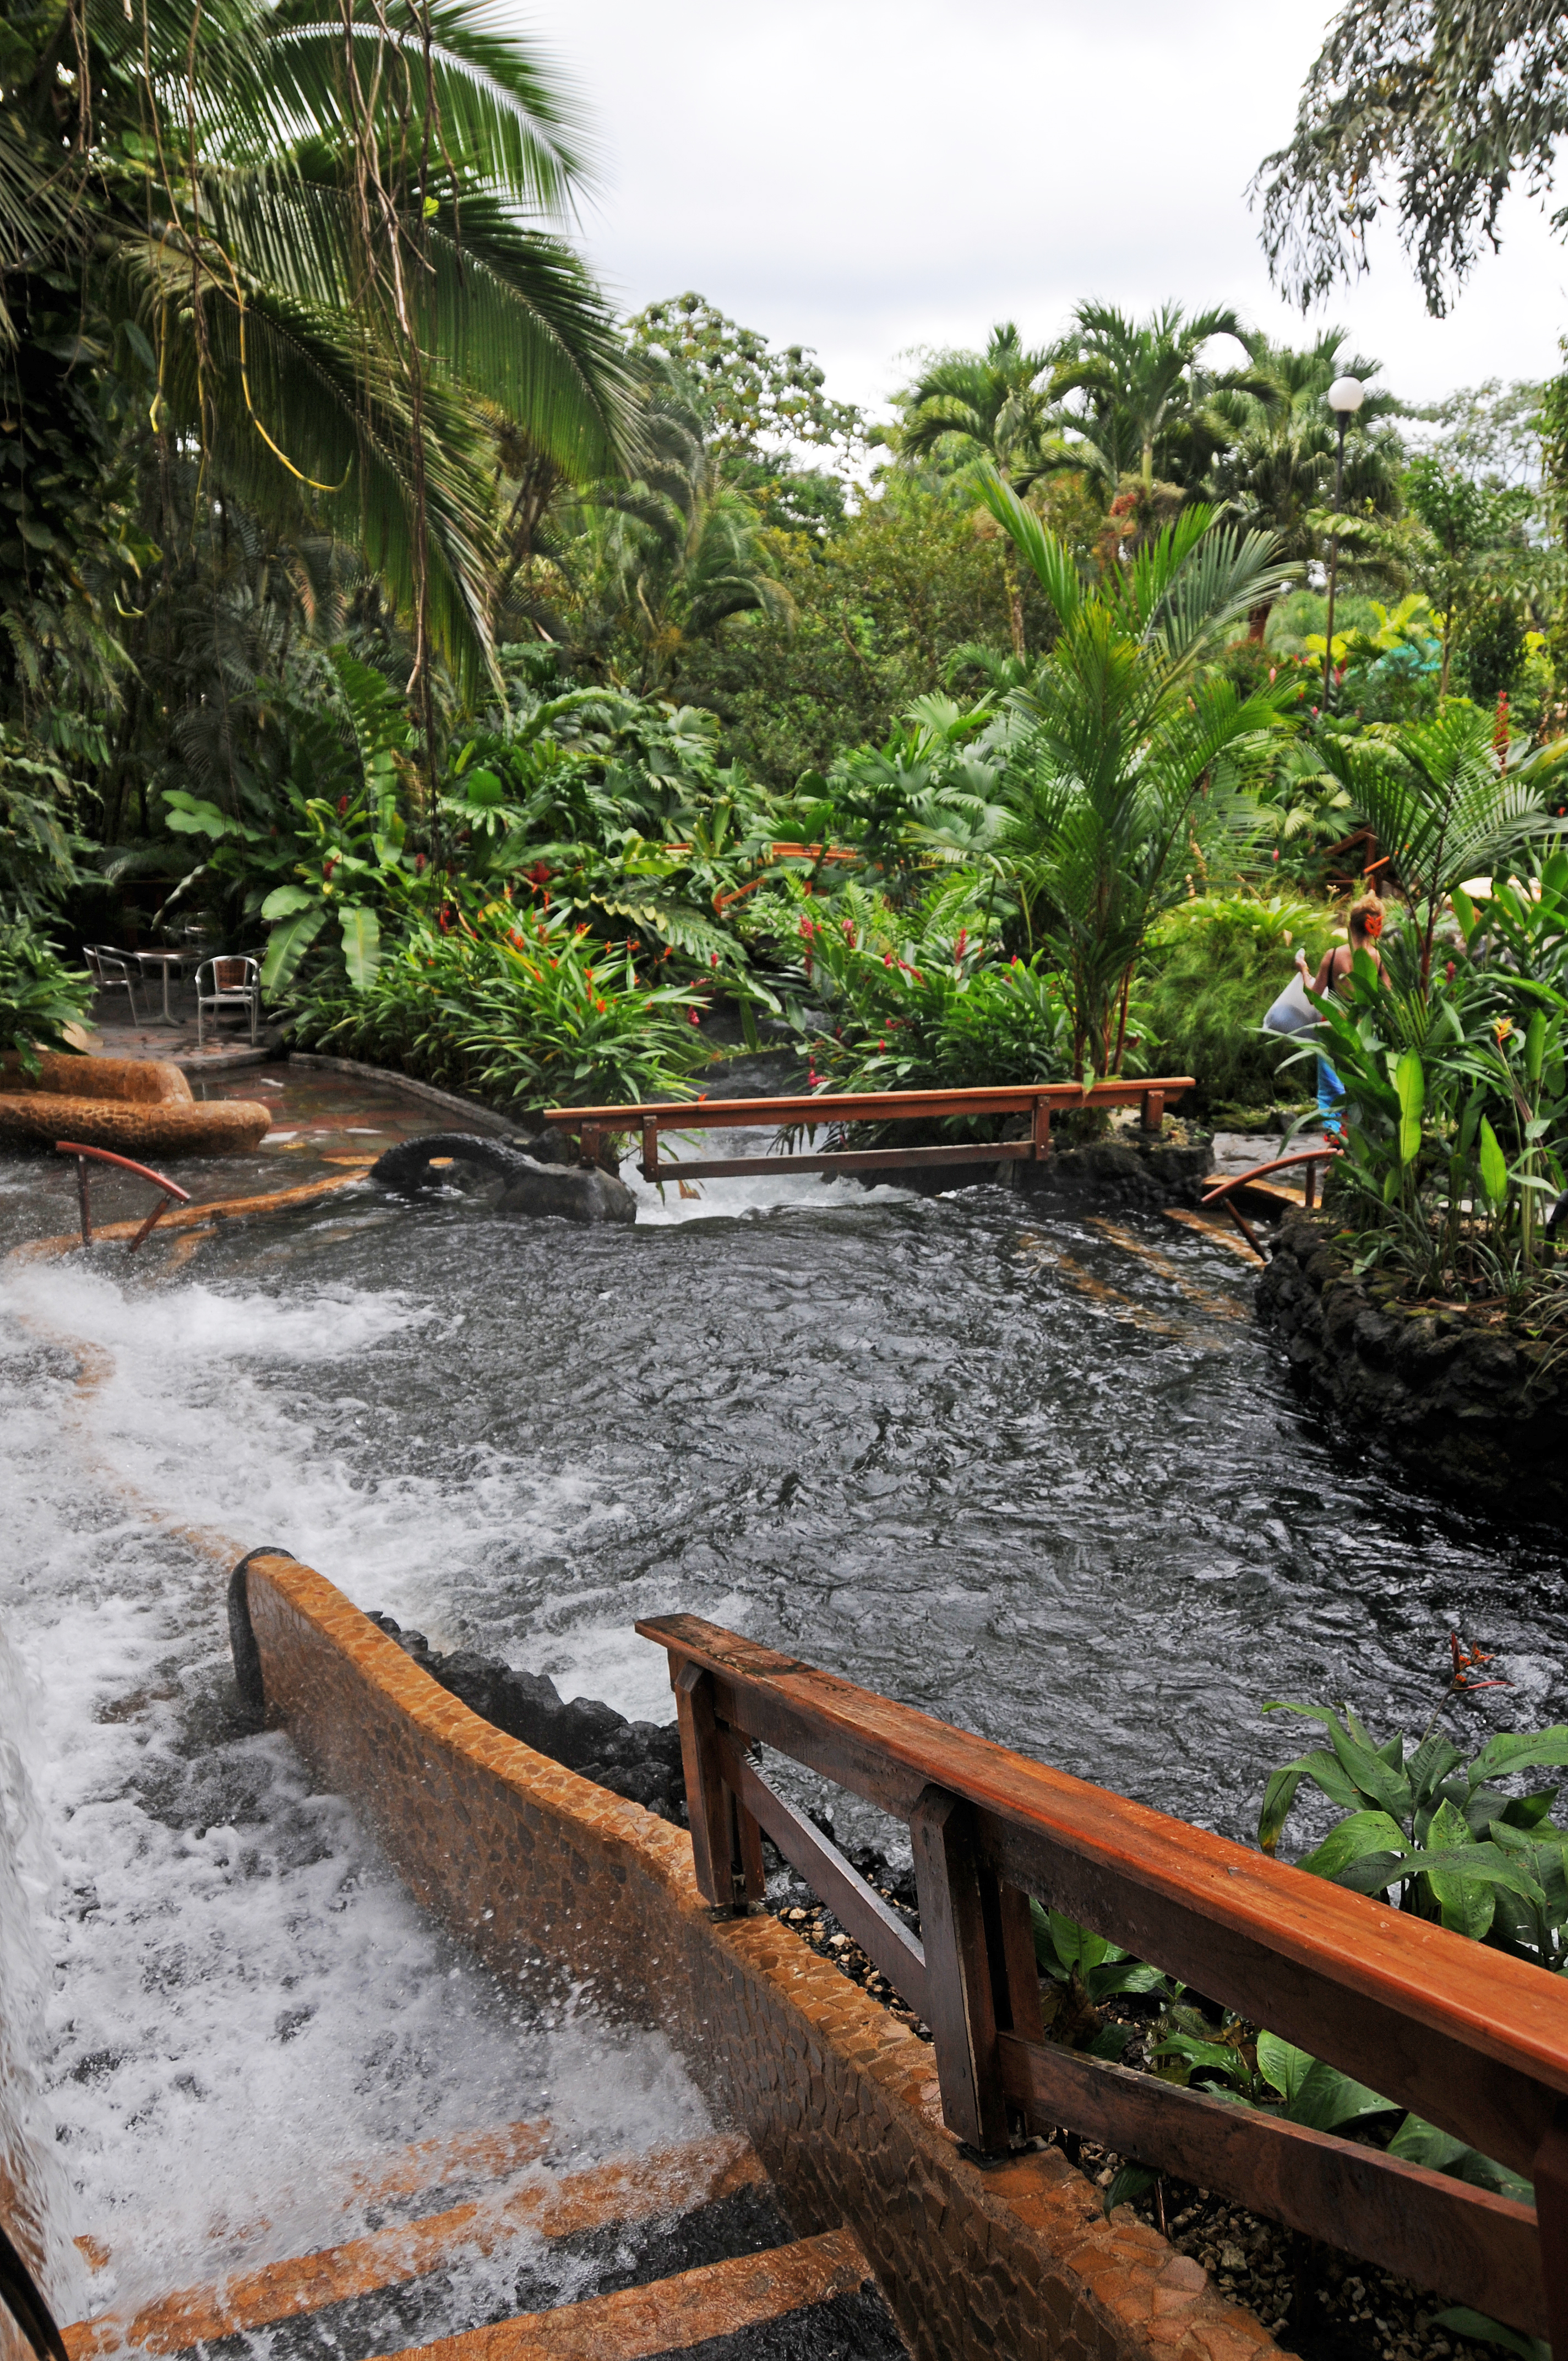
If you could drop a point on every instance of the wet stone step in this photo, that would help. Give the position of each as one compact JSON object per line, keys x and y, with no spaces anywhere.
{"x":545,"y":2274}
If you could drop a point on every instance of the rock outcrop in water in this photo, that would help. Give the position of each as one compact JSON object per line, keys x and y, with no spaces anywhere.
{"x":1467,"y":1405}
{"x":573,"y":1193}
{"x":639,"y":1760}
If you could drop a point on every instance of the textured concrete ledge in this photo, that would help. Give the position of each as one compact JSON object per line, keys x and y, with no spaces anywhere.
{"x":1465,"y":1407}
{"x":551,"y":1877}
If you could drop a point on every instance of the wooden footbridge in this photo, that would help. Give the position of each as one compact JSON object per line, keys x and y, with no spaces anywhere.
{"x":1034,"y":1102}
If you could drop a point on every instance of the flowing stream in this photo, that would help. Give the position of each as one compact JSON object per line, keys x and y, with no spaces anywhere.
{"x":1038,"y":1473}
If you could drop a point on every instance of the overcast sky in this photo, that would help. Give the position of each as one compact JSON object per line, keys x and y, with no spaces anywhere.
{"x":864,"y":177}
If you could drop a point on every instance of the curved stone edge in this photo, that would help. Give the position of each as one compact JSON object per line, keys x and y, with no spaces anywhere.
{"x":548,"y":1875}
{"x":1465,"y":1408}
{"x":488,"y":1118}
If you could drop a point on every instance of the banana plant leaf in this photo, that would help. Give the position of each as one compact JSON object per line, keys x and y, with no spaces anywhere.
{"x":361,"y":944}
{"x":287,"y":946}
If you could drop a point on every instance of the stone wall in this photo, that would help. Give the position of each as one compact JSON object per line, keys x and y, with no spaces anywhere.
{"x":1466,"y":1406}
{"x":551,"y":1877}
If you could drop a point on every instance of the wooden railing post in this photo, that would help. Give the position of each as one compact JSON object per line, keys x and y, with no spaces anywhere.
{"x":1042,"y":1129}
{"x":960,"y":2005}
{"x":1551,"y":2178}
{"x":650,"y":1148}
{"x":1154,"y":1111}
{"x":1016,"y":1975}
{"x":727,"y":1843}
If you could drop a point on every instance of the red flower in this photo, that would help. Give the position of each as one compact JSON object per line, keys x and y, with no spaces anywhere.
{"x":419,"y":865}
{"x":600,"y":1006}
{"x":343,"y":807}
{"x":695,"y":1018}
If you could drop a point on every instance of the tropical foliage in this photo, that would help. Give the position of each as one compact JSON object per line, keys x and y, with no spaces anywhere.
{"x":525,"y":1009}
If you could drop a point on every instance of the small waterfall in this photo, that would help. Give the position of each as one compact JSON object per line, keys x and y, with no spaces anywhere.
{"x":35,"y":2195}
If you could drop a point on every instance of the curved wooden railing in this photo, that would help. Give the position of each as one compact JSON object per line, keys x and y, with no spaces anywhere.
{"x":172,"y":1192}
{"x":1224,"y":1194}
{"x":1470,"y":2038}
{"x":1034,"y":1100}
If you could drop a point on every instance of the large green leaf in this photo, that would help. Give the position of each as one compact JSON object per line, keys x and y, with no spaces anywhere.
{"x":284,"y":900}
{"x":1410,"y":1080}
{"x":1352,"y":1839}
{"x":1494,"y":1166}
{"x":1378,"y":1781}
{"x":1314,"y":2093}
{"x":361,"y":944}
{"x":1466,"y":1902}
{"x":1520,"y":1751}
{"x":1419,"y":2142}
{"x":1320,"y":1767}
{"x":287,"y":946}
{"x":1481,"y":2330}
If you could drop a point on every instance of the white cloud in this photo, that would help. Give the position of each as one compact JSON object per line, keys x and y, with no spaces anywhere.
{"x":865,"y":178}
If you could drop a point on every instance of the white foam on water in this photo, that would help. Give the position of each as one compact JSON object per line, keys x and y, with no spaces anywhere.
{"x":233,"y":1998}
{"x":661,"y":1203}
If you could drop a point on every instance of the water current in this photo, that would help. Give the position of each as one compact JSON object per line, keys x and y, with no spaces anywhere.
{"x":1039,"y":1474}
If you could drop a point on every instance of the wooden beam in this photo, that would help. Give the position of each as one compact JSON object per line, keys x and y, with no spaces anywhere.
{"x":874,"y":1925}
{"x":1465,"y":2243}
{"x":850,"y":1160}
{"x":959,"y":2008}
{"x":863,"y":1106}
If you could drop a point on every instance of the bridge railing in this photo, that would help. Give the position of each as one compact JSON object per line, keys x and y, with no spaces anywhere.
{"x":1036,"y":1100}
{"x":1469,"y":2038}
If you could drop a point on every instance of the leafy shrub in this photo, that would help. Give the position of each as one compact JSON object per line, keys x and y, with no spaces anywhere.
{"x":920,"y":999}
{"x":1457,"y":1094}
{"x":1422,"y":1821}
{"x":40,"y":995}
{"x":520,"y":1008}
{"x":1215,"y":965}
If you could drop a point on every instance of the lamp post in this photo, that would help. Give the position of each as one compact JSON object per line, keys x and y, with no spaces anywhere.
{"x":1345,"y":397}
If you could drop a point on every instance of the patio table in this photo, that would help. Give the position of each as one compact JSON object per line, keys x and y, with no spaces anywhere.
{"x":166,"y":960}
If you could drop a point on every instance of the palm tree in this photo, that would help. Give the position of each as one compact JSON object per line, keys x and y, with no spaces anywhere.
{"x":973,"y":409}
{"x":1122,"y":728}
{"x":1443,"y":805}
{"x":1276,"y":473}
{"x":1149,"y":405}
{"x":680,"y":549}
{"x":331,"y":246}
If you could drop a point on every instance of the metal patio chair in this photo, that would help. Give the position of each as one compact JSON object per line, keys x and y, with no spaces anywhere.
{"x":230,"y":982}
{"x":111,"y":972}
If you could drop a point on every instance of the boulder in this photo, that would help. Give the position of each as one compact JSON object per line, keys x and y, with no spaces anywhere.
{"x":572,"y":1192}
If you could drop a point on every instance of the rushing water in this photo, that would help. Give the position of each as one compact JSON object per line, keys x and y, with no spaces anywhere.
{"x":1041,"y":1476}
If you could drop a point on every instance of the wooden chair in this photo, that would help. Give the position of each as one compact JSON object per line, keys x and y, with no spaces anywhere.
{"x":230,"y":982}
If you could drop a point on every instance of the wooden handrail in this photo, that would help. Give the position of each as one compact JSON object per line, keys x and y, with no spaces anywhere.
{"x":172,"y":1192}
{"x":1224,"y":1194}
{"x":1035,"y":1100}
{"x":1470,"y":2038}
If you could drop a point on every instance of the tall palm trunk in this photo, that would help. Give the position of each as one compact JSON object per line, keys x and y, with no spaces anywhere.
{"x":1014,"y":597}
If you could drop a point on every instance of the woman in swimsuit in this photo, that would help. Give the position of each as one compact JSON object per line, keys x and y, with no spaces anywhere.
{"x":1333,"y":975}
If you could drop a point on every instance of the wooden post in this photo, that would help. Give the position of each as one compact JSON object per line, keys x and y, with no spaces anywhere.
{"x":1549,"y":2175}
{"x":1154,"y":1111}
{"x":82,"y":1186}
{"x":589,"y":1148}
{"x":1042,"y":1129}
{"x":1016,"y":1975}
{"x":960,"y":2006}
{"x":650,"y":1148}
{"x":727,"y":1844}
{"x":1311,"y":1192}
